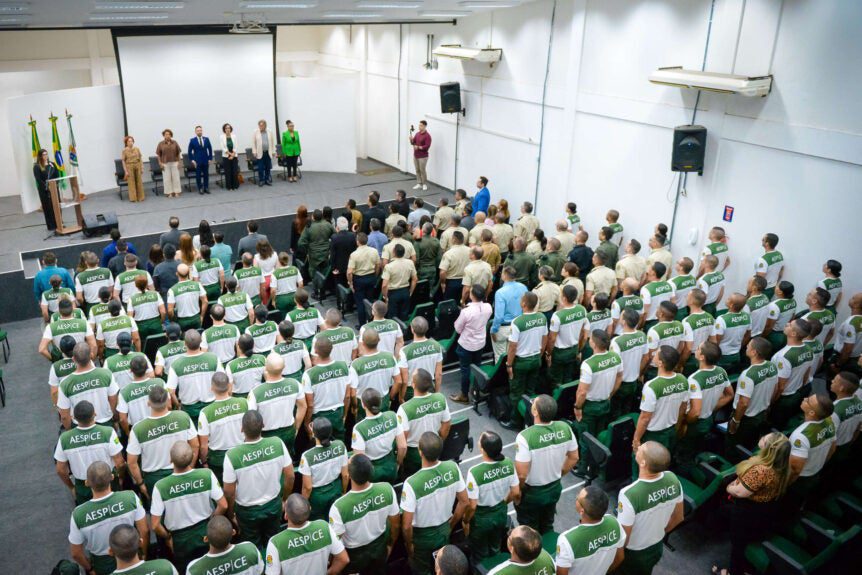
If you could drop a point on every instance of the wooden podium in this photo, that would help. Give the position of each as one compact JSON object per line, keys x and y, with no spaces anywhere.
{"x":70,"y":201}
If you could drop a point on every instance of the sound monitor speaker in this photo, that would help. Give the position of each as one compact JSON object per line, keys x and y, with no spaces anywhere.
{"x":689,"y":147}
{"x":450,"y":98}
{"x":99,"y":224}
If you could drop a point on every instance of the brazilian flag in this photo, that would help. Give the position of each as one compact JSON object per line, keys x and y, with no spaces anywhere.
{"x":58,"y":149}
{"x":34,"y":139}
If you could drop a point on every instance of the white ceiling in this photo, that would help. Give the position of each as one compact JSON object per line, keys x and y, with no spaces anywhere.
{"x":116,"y":13}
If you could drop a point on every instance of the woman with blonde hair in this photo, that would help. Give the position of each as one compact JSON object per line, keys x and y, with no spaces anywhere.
{"x":133,"y":166}
{"x":186,"y":251}
{"x":266,"y":260}
{"x":761,"y":481}
{"x":503,"y":208}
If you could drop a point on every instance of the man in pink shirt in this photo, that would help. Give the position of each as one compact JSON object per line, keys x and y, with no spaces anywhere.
{"x":471,"y":325}
{"x":421,"y":141}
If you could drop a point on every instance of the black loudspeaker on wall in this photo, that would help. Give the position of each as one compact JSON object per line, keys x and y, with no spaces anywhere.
{"x":450,"y":98}
{"x":99,"y":224}
{"x":689,"y":147}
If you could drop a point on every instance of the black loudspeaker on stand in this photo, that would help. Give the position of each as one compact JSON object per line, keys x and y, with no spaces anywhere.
{"x":450,"y":98}
{"x":689,"y":148}
{"x":99,"y":224}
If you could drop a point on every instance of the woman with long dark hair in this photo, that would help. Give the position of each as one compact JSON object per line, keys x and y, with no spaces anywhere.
{"x":204,"y":236}
{"x":44,"y":170}
{"x":155,"y":257}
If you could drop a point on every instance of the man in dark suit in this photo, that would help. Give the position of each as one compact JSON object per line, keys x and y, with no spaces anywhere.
{"x":582,"y":255}
{"x":172,"y":236}
{"x":201,"y":152}
{"x":248,"y":244}
{"x":375,"y":210}
{"x":341,"y":245}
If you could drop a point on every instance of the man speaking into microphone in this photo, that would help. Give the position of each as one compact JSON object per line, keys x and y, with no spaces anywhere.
{"x":200,"y":153}
{"x":420,"y":141}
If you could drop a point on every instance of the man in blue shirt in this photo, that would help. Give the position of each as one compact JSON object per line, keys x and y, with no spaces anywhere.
{"x":111,"y":249}
{"x":482,"y":199}
{"x":223,"y":253}
{"x":42,"y":281}
{"x":507,"y":306}
{"x":377,"y":239}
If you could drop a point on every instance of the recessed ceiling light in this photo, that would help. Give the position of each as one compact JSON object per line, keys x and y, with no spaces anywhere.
{"x":127,"y":17}
{"x":11,"y":20}
{"x":444,"y":13}
{"x":347,"y":15}
{"x":487,"y":4}
{"x":382,"y":4}
{"x":265,"y":5}
{"x":14,"y":8}
{"x":145,"y":5}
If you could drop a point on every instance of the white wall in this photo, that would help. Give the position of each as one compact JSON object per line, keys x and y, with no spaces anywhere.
{"x":790,"y":163}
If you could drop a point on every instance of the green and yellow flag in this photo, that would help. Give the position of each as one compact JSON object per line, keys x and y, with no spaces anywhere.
{"x":34,"y":139}
{"x":57,"y":148}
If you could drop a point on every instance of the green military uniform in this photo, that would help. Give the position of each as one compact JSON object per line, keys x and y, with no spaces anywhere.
{"x":286,"y":281}
{"x":528,"y":330}
{"x":92,"y":522}
{"x":556,"y":261}
{"x":360,"y":519}
{"x":146,"y":309}
{"x":327,"y":383}
{"x":302,"y":550}
{"x":315,"y":241}
{"x":662,"y":396}
{"x":526,"y":270}
{"x":239,"y":559}
{"x":375,"y":436}
{"x":489,"y":483}
{"x":611,"y":252}
{"x":631,"y":347}
{"x":545,"y":447}
{"x":569,"y":324}
{"x":428,"y":255}
{"x":708,"y":386}
{"x":416,"y":416}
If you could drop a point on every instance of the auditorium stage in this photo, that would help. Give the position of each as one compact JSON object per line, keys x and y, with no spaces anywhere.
{"x":21,"y":232}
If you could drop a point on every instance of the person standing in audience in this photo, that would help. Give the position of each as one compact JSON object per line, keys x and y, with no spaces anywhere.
{"x":238,"y":307}
{"x":848,"y":338}
{"x":48,"y":269}
{"x":507,"y":307}
{"x":169,"y":352}
{"x":373,"y":369}
{"x":832,"y":283}
{"x":794,"y":367}
{"x":631,"y":346}
{"x":183,"y":503}
{"x":812,"y":444}
{"x":649,"y":508}
{"x":132,"y":399}
{"x":292,"y":149}
{"x":503,"y":234}
{"x":200,"y":152}
{"x":79,"y":447}
{"x":151,"y":439}
{"x":597,"y":543}
{"x":601,"y":378}
{"x":523,"y":263}
{"x":471,"y":326}
{"x":608,"y":247}
{"x":343,"y":338}
{"x":656,"y":291}
{"x":667,"y":331}
{"x":491,"y":485}
{"x":187,"y":300}
{"x":323,"y":469}
{"x":732,"y":332}
{"x":223,"y":554}
{"x":526,"y":554}
{"x":683,"y":282}
{"x":363,"y":266}
{"x":477,"y":273}
{"x":712,"y":282}
{"x":442,"y":219}
{"x":755,"y":393}
{"x":612,"y":219}
{"x":452,"y":266}
{"x":781,"y":311}
{"x":263,"y":149}
{"x":399,"y":280}
{"x":761,"y":481}
{"x":90,"y":281}
{"x":209,"y":272}
{"x":169,"y":153}
{"x":433,"y":501}
{"x":366,"y":519}
{"x":628,"y":299}
{"x":419,"y":212}
{"x":277,"y":398}
{"x":230,"y":157}
{"x":264,"y":331}
{"x":327,"y":388}
{"x":446,"y":236}
{"x":119,"y":363}
{"x":425,"y":411}
{"x":90,"y":522}
{"x":165,"y":272}
{"x":664,"y":403}
{"x":305,"y":318}
{"x":124,"y":282}
{"x":66,"y":325}
{"x":421,"y":353}
{"x":190,"y":376}
{"x":565,"y":237}
{"x":112,"y":327}
{"x":847,"y":416}
{"x":287,"y":552}
{"x":567,"y":333}
{"x":660,"y":253}
{"x":581,"y":254}
{"x":771,"y":264}
{"x":553,"y":258}
{"x":490,"y":251}
{"x":757,"y":304}
{"x":717,"y":247}
{"x":631,"y":265}
{"x":429,"y":251}
{"x":125,"y":547}
{"x":250,"y":279}
{"x":392,"y":219}
{"x":341,"y":246}
{"x":527,"y":223}
{"x":601,"y":280}
{"x":482,"y":199}
{"x":219,"y":423}
{"x":817,"y":300}
{"x":90,"y":383}
{"x":133,"y":169}
{"x":527,"y":341}
{"x":544,"y":452}
{"x":315,"y":242}
{"x":388,"y":330}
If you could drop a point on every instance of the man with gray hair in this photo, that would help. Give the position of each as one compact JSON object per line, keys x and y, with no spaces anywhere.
{"x":341,"y":245}
{"x":527,"y":224}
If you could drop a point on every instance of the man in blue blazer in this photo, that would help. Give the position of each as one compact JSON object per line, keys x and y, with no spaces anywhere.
{"x":201,"y":152}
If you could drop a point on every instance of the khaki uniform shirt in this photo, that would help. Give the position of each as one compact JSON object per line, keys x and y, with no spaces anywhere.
{"x":446,"y":237}
{"x":579,"y":285}
{"x":534,"y":248}
{"x":363,"y":261}
{"x":409,"y":252}
{"x":399,"y":272}
{"x":459,"y":206}
{"x":503,"y":234}
{"x":477,"y":272}
{"x":491,"y":254}
{"x":567,"y":242}
{"x":391,"y":222}
{"x":548,"y":294}
{"x":664,"y":256}
{"x":526,"y":225}
{"x":455,"y":259}
{"x":476,"y":234}
{"x":631,"y":266}
{"x":443,"y":218}
{"x":601,"y":280}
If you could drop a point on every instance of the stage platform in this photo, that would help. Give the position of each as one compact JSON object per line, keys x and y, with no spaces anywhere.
{"x":23,"y":237}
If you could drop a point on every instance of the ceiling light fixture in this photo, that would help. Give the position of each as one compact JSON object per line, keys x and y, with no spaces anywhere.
{"x":127,"y":17}
{"x":132,"y":5}
{"x":489,"y":4}
{"x":378,"y":4}
{"x":349,"y":15}
{"x":14,"y":8}
{"x":12,"y":20}
{"x":444,"y":13}
{"x":264,"y":5}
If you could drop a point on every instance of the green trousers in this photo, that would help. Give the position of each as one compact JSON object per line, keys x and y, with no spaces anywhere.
{"x":369,"y":559}
{"x":769,"y":292}
{"x":563,"y":364}
{"x":191,"y":322}
{"x":692,"y":443}
{"x":336,"y":418}
{"x":538,"y":506}
{"x":747,"y":434}
{"x":215,"y":461}
{"x":730,"y":363}
{"x":487,"y":529}
{"x":666,"y":437}
{"x":322,"y":498}
{"x":213,"y":292}
{"x":84,"y":493}
{"x":525,"y":375}
{"x":194,"y":410}
{"x":148,"y":327}
{"x":681,"y":313}
{"x":241,"y":325}
{"x":428,"y":273}
{"x":412,"y":461}
{"x":386,"y":469}
{"x":287,"y":435}
{"x":385,"y":402}
{"x":111,"y":352}
{"x":103,"y":564}
{"x":258,"y":523}
{"x":777,"y":339}
{"x":151,"y":477}
{"x":642,"y":561}
{"x":786,"y":406}
{"x":285,"y":303}
{"x":189,"y":544}
{"x":427,"y":540}
{"x":710,"y":308}
{"x":624,"y":400}
{"x":594,"y":417}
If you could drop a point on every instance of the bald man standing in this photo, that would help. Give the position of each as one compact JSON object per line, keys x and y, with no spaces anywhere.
{"x":187,"y":300}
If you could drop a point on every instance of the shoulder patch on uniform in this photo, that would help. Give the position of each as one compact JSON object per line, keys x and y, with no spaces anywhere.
{"x":620,"y":505}
{"x":741,"y":384}
{"x":470,"y":485}
{"x":268,"y":559}
{"x":693,"y":387}
{"x":780,"y":364}
{"x":399,"y":418}
{"x":797,"y":443}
